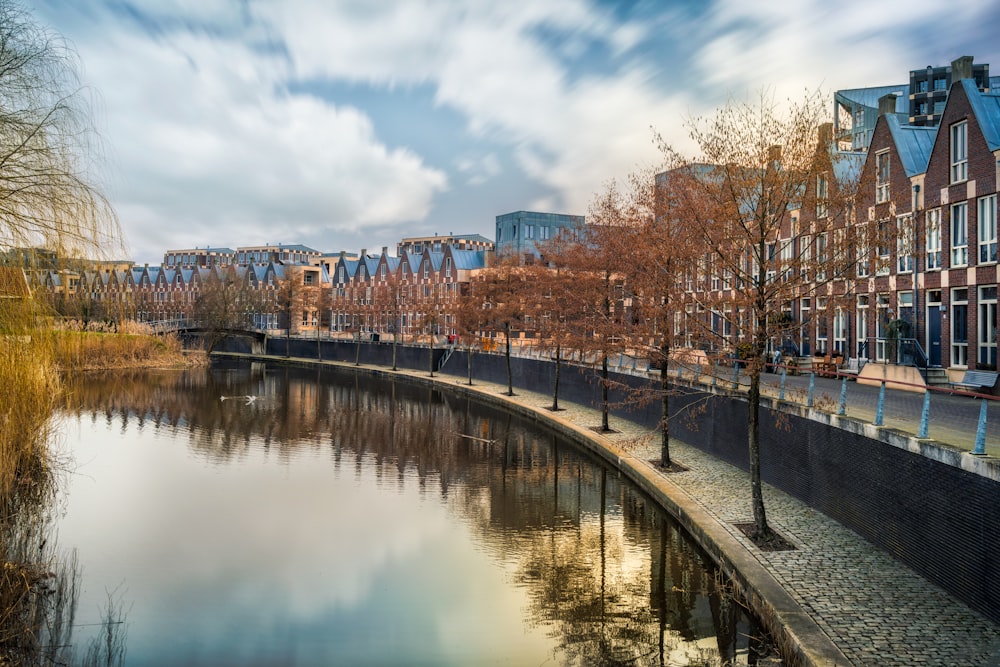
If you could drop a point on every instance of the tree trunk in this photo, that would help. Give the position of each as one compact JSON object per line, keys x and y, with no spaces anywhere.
{"x":468,"y":359}
{"x":510,"y":380}
{"x":555,"y":386}
{"x":394,"y":336}
{"x":665,"y":413}
{"x":761,"y":529}
{"x":357,"y":350}
{"x":605,"y":426}
{"x":432,"y":353}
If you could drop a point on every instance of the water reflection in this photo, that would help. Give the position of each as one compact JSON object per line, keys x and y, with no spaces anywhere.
{"x":322,"y":517}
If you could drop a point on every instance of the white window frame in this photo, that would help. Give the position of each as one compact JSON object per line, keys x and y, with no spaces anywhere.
{"x":822,"y":196}
{"x":986,"y":323}
{"x":959,"y":348}
{"x":882,"y":175}
{"x":959,"y":234}
{"x":933,"y":234}
{"x":904,"y":244}
{"x":987,"y":226}
{"x":959,"y":149}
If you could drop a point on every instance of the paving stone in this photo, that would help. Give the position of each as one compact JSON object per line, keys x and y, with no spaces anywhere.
{"x":878,"y":611}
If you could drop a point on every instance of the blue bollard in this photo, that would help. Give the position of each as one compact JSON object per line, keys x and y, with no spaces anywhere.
{"x":881,"y":404}
{"x":781,"y":393}
{"x":715,"y":373}
{"x":843,"y":397}
{"x":736,"y":376}
{"x":678,"y":371}
{"x":925,"y":415}
{"x":812,"y":390}
{"x":980,"y":449}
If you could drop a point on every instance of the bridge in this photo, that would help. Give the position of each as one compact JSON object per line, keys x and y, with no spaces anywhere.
{"x":197,"y":328}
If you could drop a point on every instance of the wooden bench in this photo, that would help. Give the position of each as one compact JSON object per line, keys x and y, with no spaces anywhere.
{"x":827,"y":366}
{"x":977,"y":380}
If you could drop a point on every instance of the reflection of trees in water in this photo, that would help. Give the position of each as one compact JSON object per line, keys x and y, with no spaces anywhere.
{"x":612,"y":578}
{"x":38,"y":592}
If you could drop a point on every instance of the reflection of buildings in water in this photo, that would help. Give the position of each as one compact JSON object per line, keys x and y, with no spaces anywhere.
{"x":601,"y":565}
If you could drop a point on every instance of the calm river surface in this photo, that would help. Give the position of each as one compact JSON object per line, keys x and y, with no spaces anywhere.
{"x":333,"y":518}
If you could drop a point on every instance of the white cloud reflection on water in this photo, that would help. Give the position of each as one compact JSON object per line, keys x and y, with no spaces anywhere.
{"x":274,"y":559}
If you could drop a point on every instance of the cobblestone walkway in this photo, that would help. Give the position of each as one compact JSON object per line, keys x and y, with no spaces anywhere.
{"x":876,"y":610}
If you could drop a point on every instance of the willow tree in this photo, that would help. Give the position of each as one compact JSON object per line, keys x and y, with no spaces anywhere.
{"x":49,"y":196}
{"x":769,"y":201}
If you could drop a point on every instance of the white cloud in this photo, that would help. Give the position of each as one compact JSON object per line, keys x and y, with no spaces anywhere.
{"x":213,"y":146}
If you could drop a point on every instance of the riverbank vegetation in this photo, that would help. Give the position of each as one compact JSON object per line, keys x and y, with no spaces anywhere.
{"x":53,"y":206}
{"x":130,"y":347}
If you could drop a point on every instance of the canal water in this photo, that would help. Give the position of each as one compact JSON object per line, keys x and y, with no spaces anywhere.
{"x":259,"y":515}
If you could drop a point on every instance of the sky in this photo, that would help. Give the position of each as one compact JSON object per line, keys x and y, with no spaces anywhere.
{"x":350,"y":124}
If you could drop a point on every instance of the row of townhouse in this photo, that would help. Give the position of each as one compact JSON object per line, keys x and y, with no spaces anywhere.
{"x":156,"y":294}
{"x":934,"y":281}
{"x":938,"y":186}
{"x":413,"y":292}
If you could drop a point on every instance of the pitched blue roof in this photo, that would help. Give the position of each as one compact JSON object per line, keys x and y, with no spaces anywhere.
{"x":469,"y":259}
{"x":436,"y":259}
{"x":986,"y":106}
{"x":913,"y":144}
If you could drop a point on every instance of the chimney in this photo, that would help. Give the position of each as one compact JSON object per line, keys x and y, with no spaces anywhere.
{"x":961,"y":68}
{"x":385,"y":250}
{"x":826,"y":134}
{"x":774,"y":156}
{"x":887,"y":104}
{"x":364,"y":251}
{"x":343,"y":253}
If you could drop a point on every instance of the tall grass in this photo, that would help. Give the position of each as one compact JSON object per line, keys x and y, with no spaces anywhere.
{"x":95,"y":350}
{"x":29,"y":392}
{"x":34,"y":600}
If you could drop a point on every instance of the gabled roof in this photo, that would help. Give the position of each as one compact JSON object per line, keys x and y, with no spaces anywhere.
{"x":436,"y":259}
{"x":847,"y":165}
{"x":913,"y":144}
{"x":986,"y":106}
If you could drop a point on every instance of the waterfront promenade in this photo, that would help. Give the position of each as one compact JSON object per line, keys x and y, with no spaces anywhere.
{"x":873,"y":610}
{"x":847,"y":602}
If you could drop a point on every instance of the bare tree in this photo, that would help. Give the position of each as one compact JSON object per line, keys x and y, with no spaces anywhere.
{"x":221,"y":306}
{"x":501,"y":290}
{"x":774,"y":226}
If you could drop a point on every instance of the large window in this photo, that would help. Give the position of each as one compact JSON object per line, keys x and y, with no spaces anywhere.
{"x":987,"y":229}
{"x":959,"y":235}
{"x":934,"y":239}
{"x":959,"y":326}
{"x":882,"y":177}
{"x":959,"y":152}
{"x":987,"y":323}
{"x":904,"y":244}
{"x":822,"y":195}
{"x":884,"y":264}
{"x":861,"y":326}
{"x":840,"y":331}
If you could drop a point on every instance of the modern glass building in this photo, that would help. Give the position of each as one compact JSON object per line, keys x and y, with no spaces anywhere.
{"x":518,"y":232}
